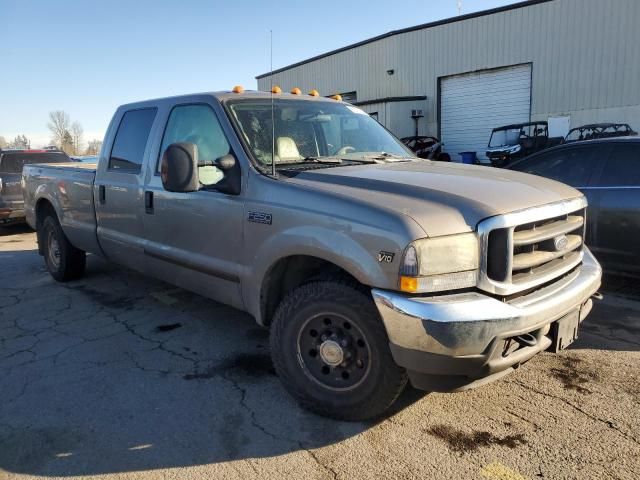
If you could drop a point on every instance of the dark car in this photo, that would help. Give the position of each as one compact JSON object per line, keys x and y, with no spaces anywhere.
{"x":11,"y":163}
{"x":607,"y":171}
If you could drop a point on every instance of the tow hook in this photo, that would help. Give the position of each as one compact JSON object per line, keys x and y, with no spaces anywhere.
{"x":597,"y":296}
{"x":526,"y":340}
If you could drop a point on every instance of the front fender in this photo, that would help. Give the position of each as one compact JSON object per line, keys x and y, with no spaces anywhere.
{"x":355,"y":253}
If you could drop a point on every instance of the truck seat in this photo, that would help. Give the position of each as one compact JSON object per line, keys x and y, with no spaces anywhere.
{"x":287,"y":150}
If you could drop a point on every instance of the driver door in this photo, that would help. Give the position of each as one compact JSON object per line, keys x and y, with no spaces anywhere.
{"x":194,"y":238}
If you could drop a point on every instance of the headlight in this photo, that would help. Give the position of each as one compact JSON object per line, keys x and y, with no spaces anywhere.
{"x":442,"y":263}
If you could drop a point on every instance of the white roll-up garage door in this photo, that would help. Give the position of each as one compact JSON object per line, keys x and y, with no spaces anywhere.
{"x":471,"y":105}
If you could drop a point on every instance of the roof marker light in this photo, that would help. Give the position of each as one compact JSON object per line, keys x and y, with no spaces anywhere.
{"x":276,"y":89}
{"x":337,"y":97}
{"x":238,"y":89}
{"x":314,"y":93}
{"x":296,"y":91}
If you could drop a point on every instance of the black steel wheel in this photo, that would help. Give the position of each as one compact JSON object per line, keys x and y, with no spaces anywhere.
{"x":331,"y":351}
{"x":64,"y":261}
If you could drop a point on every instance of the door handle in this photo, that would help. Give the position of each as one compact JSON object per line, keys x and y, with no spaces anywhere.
{"x":101,"y":194}
{"x":148,"y":202}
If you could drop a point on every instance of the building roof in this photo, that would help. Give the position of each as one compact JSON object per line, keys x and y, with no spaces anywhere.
{"x":423,"y":26}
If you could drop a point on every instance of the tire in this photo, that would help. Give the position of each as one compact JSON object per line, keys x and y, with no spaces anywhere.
{"x":318,"y":316}
{"x":64,"y":261}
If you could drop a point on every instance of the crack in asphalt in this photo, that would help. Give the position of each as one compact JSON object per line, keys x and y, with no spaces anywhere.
{"x":607,"y":422}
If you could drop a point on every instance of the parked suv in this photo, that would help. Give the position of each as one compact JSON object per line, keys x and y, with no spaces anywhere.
{"x":11,"y":163}
{"x":607,"y":171}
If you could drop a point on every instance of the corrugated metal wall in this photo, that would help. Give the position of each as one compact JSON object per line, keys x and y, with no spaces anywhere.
{"x":585,"y":57}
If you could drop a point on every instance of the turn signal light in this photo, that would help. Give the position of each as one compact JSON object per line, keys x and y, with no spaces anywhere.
{"x":408,"y":284}
{"x":296,"y":91}
{"x":238,"y":89}
{"x":276,"y":89}
{"x":337,"y":97}
{"x":314,"y":93}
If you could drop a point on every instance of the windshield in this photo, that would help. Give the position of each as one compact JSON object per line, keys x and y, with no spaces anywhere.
{"x":514,"y":135}
{"x":501,"y":138}
{"x":307,"y":130}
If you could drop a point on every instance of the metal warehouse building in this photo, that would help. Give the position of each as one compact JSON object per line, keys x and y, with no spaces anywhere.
{"x":570,"y":62}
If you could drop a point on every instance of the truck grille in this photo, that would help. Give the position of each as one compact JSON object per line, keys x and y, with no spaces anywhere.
{"x":525,"y":249}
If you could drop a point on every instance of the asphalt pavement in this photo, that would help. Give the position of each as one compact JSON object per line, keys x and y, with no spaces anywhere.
{"x":122,"y":376}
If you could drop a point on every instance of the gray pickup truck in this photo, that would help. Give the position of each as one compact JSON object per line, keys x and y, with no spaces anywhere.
{"x":370,"y":266}
{"x":11,"y":163}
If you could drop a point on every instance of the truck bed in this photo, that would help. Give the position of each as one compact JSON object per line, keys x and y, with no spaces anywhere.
{"x":69,"y":188}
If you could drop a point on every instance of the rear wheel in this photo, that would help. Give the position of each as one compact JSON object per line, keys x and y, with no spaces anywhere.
{"x":64,"y":261}
{"x":331,"y":351}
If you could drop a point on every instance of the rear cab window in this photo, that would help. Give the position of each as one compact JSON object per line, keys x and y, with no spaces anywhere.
{"x":131,"y":138}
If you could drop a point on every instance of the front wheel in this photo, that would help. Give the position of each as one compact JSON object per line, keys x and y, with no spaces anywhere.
{"x":331,"y":351}
{"x":64,"y":261}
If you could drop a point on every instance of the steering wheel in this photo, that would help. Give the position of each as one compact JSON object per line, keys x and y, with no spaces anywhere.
{"x":346,"y":149}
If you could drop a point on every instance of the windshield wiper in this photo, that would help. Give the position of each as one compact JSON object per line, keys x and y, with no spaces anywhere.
{"x":385,"y":156}
{"x":321,"y":160}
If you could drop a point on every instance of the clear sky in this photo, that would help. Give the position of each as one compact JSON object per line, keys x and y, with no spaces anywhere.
{"x":88,"y":56}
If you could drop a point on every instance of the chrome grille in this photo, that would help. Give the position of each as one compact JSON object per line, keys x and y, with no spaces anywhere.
{"x":524,"y":249}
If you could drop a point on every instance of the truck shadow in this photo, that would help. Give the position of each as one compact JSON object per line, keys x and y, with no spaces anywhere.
{"x":14,"y":229}
{"x":128,"y":374}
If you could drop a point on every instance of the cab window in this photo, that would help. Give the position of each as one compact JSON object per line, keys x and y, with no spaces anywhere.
{"x":131,"y":140}
{"x":198,"y":124}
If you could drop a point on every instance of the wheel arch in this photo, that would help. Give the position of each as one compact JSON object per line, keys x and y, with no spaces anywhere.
{"x":291,"y":271}
{"x":43,"y":208}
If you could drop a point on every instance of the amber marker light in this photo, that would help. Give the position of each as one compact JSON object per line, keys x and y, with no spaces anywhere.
{"x":238,"y":89}
{"x":408,"y":284}
{"x":296,"y":91}
{"x":337,"y":97}
{"x":314,"y":93}
{"x":276,"y":89}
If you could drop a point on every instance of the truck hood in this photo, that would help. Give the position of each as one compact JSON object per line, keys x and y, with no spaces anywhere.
{"x":443,"y":198}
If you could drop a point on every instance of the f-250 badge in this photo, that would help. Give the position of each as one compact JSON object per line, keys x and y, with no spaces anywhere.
{"x":385,"y":257}
{"x":259,"y":217}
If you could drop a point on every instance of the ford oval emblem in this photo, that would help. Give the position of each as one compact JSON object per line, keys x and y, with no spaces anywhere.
{"x":560,"y":242}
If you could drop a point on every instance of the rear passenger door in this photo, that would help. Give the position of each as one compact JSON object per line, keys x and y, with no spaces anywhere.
{"x":615,"y":194}
{"x":119,"y":199}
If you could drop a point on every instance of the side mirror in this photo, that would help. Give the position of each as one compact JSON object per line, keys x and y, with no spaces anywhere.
{"x":179,"y":168}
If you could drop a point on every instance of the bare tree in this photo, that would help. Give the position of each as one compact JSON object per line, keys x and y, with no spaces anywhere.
{"x":76,"y":134}
{"x":21,"y":141}
{"x":3,"y":142}
{"x":59,"y":126}
{"x":93,"y":147}
{"x":67,"y":143}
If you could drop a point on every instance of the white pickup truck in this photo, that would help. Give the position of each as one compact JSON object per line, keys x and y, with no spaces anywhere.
{"x":369,"y":265}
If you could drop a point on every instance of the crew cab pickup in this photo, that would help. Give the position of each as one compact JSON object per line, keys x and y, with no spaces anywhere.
{"x":369,"y":265}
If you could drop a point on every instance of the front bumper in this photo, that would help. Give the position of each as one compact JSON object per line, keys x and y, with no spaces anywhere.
{"x":459,"y":341}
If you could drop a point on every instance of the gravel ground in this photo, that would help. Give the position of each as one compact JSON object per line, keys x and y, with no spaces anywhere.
{"x":118,"y":375}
